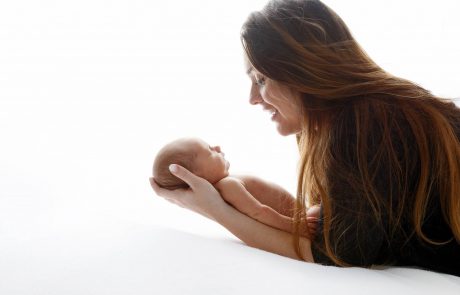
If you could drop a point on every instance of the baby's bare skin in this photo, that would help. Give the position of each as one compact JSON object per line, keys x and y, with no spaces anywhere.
{"x":263,"y":201}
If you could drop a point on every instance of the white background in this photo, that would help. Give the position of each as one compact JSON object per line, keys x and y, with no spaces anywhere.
{"x":91,"y":89}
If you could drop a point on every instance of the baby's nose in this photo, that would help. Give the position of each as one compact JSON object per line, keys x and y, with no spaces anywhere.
{"x":217,"y":148}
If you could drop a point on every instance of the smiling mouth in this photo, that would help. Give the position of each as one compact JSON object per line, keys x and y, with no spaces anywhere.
{"x":271,"y":111}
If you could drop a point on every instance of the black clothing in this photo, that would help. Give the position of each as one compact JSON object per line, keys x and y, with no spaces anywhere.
{"x":368,"y":240}
{"x":415,"y":253}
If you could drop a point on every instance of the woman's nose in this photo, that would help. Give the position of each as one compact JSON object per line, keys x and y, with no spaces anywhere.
{"x":254,"y":96}
{"x":217,"y":149}
{"x":253,"y":100}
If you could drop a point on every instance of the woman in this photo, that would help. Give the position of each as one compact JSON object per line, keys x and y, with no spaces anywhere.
{"x":380,"y":156}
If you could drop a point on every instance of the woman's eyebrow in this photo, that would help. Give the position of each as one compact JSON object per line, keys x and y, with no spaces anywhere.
{"x":249,"y":71}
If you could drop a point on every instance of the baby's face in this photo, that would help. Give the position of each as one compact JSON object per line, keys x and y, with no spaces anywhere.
{"x":210,"y":162}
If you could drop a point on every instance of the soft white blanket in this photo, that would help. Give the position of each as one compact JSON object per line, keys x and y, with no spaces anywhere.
{"x":138,"y":259}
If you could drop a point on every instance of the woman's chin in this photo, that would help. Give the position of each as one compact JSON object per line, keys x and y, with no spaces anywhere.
{"x":284,"y":132}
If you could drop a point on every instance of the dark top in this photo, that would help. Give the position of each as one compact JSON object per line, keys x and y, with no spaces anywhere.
{"x":368,"y":242}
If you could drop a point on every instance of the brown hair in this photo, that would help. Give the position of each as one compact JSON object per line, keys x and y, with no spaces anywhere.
{"x":305,"y":45}
{"x":168,"y":155}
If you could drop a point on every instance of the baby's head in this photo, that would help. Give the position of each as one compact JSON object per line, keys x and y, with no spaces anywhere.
{"x":194,"y":154}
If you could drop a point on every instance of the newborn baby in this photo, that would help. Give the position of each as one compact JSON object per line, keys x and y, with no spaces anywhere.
{"x":261,"y":200}
{"x":194,"y":154}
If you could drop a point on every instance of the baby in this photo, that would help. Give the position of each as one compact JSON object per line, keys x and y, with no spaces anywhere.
{"x":251,"y":196}
{"x":194,"y":154}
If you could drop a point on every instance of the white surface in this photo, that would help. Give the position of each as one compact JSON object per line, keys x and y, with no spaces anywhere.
{"x":123,"y":258}
{"x":91,"y":89}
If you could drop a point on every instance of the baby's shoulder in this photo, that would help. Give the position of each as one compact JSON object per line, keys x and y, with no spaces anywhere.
{"x":229,"y":181}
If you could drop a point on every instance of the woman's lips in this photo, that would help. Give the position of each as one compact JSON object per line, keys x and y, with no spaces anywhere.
{"x":271,"y":111}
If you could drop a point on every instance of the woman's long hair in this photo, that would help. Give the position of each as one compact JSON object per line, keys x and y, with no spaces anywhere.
{"x":305,"y":45}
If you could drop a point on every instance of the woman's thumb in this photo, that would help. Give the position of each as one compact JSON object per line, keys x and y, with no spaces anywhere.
{"x":182,"y":173}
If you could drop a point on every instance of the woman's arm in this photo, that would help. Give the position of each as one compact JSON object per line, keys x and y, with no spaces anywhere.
{"x":204,"y":199}
{"x":261,"y":236}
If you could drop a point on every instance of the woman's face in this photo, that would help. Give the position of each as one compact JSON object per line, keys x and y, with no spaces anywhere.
{"x":283,"y":104}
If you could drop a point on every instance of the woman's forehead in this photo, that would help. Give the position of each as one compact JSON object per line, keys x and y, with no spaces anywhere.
{"x":252,"y":72}
{"x":249,"y":67}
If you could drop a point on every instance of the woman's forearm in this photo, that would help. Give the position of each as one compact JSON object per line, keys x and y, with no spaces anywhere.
{"x":259,"y":235}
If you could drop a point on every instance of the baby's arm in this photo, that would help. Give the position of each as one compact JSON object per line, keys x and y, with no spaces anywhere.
{"x":233,"y":192}
{"x":274,"y":205}
{"x":269,"y":193}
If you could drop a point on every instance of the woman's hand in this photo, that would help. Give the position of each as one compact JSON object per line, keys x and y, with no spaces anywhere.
{"x":201,"y":197}
{"x":204,"y":199}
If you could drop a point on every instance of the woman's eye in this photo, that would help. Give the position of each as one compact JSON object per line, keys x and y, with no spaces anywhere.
{"x":260,"y":82}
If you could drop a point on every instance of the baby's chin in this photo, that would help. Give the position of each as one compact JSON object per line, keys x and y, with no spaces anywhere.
{"x":224,"y":174}
{"x":227,"y":167}
{"x":216,"y":176}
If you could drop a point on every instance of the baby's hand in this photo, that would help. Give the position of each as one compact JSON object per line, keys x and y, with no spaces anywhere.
{"x":313,"y":218}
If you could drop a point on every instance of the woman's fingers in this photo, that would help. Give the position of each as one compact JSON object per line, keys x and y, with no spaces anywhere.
{"x":157,"y":189}
{"x":187,"y":176}
{"x":154,"y":185}
{"x":165,"y":193}
{"x":202,"y":197}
